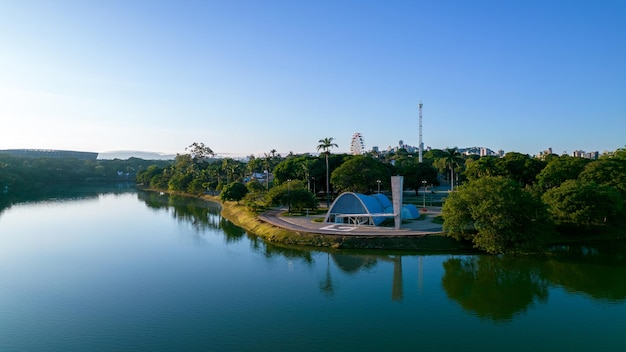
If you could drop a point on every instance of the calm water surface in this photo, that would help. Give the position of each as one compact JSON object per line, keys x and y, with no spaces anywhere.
{"x":125,"y":270}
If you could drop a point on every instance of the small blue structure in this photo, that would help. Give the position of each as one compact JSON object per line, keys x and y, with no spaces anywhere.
{"x":360,"y":209}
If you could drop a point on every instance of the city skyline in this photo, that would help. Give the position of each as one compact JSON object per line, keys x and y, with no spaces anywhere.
{"x":248,"y":77}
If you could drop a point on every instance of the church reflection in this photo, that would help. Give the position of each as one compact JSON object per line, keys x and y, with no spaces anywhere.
{"x":352,"y":264}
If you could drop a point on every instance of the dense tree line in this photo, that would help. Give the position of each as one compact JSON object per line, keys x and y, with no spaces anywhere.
{"x":24,"y":174}
{"x":298,"y":181}
{"x":517,"y":203}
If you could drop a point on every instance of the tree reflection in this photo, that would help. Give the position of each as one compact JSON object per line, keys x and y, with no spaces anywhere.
{"x":232,"y":232}
{"x":494,"y":287}
{"x":597,"y":270}
{"x":270,"y":250}
{"x":61,"y":193}
{"x":350,"y":263}
{"x":198,"y":213}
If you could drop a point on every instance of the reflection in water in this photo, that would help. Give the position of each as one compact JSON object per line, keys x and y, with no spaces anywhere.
{"x":597,"y":270}
{"x":499,"y":287}
{"x":232,"y":232}
{"x":326,"y":286}
{"x":198,"y":213}
{"x":494,"y":287}
{"x":396,"y":288}
{"x":270,"y":250}
{"x":351,"y":264}
{"x":63,"y":193}
{"x":109,"y":289}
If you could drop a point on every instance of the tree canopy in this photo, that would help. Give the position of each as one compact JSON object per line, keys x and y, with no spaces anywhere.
{"x":360,"y":173}
{"x":497,"y":215}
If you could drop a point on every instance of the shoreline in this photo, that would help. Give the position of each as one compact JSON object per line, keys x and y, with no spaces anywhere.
{"x":303,"y":231}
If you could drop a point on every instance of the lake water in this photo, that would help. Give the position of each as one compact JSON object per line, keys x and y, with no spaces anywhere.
{"x":121,"y":270}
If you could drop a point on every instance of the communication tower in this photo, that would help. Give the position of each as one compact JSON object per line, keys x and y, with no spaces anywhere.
{"x":421,"y":145}
{"x":357,"y":147}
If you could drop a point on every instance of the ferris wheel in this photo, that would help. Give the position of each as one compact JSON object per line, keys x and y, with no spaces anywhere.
{"x":357,"y":147}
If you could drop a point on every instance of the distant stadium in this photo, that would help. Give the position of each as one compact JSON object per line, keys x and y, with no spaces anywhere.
{"x":50,"y":153}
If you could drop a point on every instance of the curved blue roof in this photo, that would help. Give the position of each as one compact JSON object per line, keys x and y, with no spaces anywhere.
{"x":357,"y":203}
{"x":365,"y":208}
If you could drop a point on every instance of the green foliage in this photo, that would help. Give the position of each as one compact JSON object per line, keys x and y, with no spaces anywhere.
{"x":520,"y":167}
{"x":497,"y":215}
{"x":414,"y":173}
{"x":560,"y":169}
{"x":234,"y":191}
{"x":359,"y":174}
{"x":448,"y":162}
{"x":196,"y":186}
{"x":298,"y":168}
{"x":292,"y":193}
{"x":255,"y":186}
{"x":484,"y":166}
{"x":147,"y":175}
{"x":610,"y":171}
{"x":581,"y":204}
{"x":300,"y":199}
{"x":19,"y":174}
{"x":233,"y":169}
{"x":199,"y":152}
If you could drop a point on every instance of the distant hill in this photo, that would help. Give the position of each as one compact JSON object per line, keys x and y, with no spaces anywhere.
{"x":127,"y":154}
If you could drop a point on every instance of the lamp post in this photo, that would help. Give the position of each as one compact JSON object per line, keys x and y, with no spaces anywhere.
{"x":378,"y":181}
{"x":267,"y":179}
{"x":289,"y":196}
{"x":424,"y":183}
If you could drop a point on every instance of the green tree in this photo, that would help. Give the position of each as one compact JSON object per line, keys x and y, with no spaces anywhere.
{"x":520,"y":167}
{"x":560,"y":169}
{"x":609,"y":171}
{"x":484,"y":166}
{"x":325,"y":145}
{"x":292,"y":168}
{"x":199,"y":152}
{"x":451,"y":159}
{"x":182,"y":172}
{"x":146,"y":175}
{"x":359,"y":174}
{"x":234,"y":191}
{"x":582,"y":205}
{"x":293,"y":194}
{"x":254,"y":186}
{"x":414,"y":173}
{"x":497,"y":215}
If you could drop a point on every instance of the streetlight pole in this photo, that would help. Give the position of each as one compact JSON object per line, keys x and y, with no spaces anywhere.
{"x":378,"y":181}
{"x":289,"y":196}
{"x":424,"y":183}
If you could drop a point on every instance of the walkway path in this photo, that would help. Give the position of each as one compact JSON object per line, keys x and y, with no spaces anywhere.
{"x":307,"y":225}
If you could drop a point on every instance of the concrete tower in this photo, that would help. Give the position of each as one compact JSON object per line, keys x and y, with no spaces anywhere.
{"x":421,"y":145}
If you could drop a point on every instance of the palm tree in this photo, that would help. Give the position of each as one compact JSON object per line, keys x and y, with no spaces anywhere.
{"x":452,"y":158}
{"x":325,"y":145}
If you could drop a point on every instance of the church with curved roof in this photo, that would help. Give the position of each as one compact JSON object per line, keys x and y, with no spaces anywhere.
{"x":361,"y":209}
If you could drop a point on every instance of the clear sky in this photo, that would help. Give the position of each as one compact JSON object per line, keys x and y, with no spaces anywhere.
{"x":246,"y":77}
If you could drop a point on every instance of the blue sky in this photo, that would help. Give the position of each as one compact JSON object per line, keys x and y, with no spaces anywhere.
{"x":246,"y":77}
